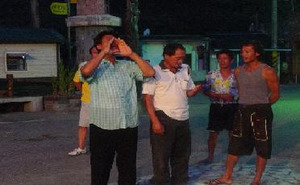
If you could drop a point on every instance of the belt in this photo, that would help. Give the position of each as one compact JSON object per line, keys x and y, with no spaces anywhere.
{"x":244,"y":106}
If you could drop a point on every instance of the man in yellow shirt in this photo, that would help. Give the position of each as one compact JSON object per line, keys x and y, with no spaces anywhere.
{"x":84,"y":118}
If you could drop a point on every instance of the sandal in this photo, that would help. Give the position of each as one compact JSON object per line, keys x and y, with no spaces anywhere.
{"x":204,"y":162}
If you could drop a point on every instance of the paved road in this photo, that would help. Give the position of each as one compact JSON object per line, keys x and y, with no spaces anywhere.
{"x":34,"y":146}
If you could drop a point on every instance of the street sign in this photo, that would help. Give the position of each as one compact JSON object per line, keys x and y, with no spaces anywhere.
{"x":73,"y":1}
{"x":59,"y":8}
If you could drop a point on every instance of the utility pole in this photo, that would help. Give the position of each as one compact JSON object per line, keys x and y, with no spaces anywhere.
{"x":274,"y":24}
{"x":274,"y":33}
{"x":131,"y":24}
{"x":92,"y":17}
{"x":34,"y":5}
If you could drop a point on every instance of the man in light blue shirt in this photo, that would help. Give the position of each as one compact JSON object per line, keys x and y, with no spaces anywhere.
{"x":113,"y":108}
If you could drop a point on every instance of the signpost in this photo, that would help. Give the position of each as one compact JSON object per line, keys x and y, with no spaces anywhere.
{"x":59,"y":8}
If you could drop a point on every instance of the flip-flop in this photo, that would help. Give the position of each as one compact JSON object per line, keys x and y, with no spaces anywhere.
{"x":216,"y":182}
{"x":204,"y":162}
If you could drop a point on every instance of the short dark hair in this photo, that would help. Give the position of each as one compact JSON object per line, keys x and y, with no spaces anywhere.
{"x":257,"y":46}
{"x":98,"y":38}
{"x":227,"y":52}
{"x":171,"y":48}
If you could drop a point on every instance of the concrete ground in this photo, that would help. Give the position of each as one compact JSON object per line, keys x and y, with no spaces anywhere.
{"x":34,"y":146}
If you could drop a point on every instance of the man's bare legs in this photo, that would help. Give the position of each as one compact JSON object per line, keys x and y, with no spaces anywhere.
{"x":211,"y":145}
{"x":82,"y":132}
{"x":212,"y":142}
{"x":230,"y":163}
{"x":260,"y":168}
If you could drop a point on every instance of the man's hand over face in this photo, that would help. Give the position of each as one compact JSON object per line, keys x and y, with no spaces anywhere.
{"x":123,"y":48}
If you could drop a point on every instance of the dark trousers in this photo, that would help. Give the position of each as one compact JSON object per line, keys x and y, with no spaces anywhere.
{"x":173,"y":148}
{"x":103,"y":146}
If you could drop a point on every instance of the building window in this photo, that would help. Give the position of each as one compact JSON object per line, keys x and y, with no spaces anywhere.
{"x":16,"y":62}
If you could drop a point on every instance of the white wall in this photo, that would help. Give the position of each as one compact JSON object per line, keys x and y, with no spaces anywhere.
{"x":41,"y":60}
{"x":153,"y":52}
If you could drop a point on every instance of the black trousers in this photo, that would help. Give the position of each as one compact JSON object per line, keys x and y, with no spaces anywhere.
{"x":171,"y":149}
{"x":104,"y":144}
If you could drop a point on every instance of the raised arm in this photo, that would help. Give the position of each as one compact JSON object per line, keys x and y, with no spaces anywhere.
{"x":145,"y":67}
{"x":125,"y":50}
{"x":92,"y":64}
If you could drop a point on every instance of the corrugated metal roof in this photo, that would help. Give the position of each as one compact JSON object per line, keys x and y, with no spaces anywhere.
{"x":20,"y":35}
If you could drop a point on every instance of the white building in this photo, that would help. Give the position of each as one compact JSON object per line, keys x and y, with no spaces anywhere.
{"x":29,"y":53}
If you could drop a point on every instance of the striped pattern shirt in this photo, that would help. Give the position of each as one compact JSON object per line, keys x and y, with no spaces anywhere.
{"x":113,"y":95}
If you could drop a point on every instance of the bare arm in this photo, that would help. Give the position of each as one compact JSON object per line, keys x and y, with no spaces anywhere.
{"x":226,"y":97}
{"x":145,"y":67}
{"x":126,"y":51}
{"x":271,"y":78}
{"x":194,"y":91}
{"x":156,"y":126}
{"x":92,"y":64}
{"x":236,"y":74}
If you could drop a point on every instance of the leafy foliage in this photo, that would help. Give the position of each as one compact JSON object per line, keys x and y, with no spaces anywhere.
{"x":63,"y":84}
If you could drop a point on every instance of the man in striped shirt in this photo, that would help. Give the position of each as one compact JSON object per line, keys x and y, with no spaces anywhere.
{"x":113,"y":108}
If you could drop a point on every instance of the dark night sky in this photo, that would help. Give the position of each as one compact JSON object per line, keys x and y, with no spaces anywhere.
{"x":166,"y":16}
{"x":203,"y":16}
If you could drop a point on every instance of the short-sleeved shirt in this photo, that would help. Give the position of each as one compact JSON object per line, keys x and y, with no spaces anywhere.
{"x":169,"y":91}
{"x":217,"y":84}
{"x":113,"y":95}
{"x":85,"y":90}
